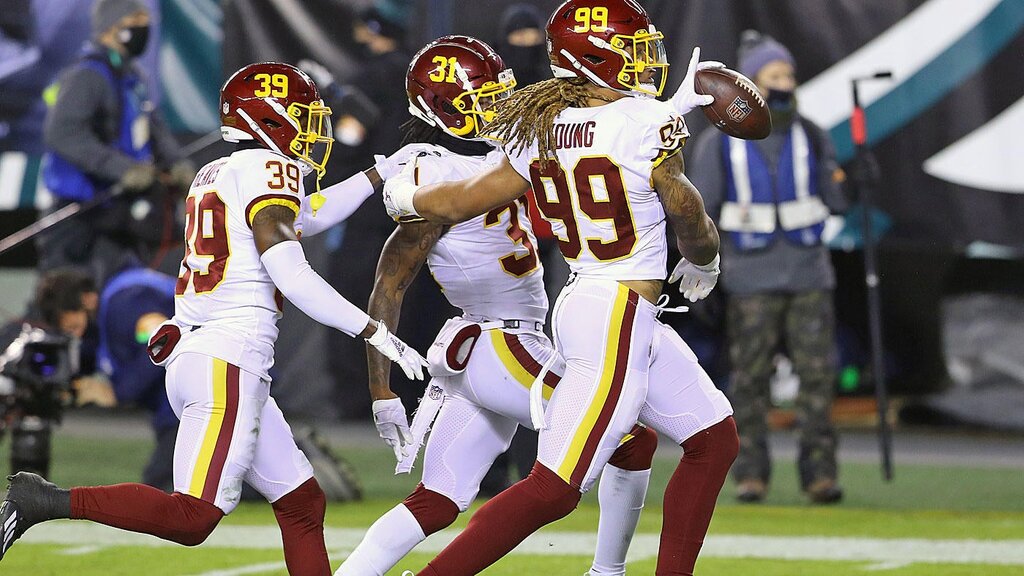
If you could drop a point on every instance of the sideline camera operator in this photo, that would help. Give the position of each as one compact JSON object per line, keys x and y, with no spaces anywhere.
{"x":39,"y":359}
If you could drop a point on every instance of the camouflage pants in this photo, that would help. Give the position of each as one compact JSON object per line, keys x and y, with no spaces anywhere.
{"x":757,"y":325}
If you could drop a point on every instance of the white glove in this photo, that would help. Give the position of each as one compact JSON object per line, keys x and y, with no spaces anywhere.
{"x":398,"y":352}
{"x":697,"y":281}
{"x":389,"y":166}
{"x":686,"y":98}
{"x":393,"y":425}
{"x":399,"y":191}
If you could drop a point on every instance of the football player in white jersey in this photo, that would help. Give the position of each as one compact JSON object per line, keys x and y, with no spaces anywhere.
{"x":240,"y":249}
{"x":603,"y":158}
{"x":484,"y":362}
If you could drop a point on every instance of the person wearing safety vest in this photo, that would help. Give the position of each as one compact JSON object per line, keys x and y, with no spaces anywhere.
{"x":770,"y":199}
{"x":102,"y":130}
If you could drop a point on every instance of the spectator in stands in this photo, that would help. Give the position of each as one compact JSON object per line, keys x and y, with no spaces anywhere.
{"x":380,"y":31}
{"x":101,"y":130}
{"x":770,"y":199}
{"x":521,"y":43}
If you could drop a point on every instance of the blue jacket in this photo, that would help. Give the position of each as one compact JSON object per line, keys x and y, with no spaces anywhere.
{"x":67,"y":181}
{"x":761,"y":198}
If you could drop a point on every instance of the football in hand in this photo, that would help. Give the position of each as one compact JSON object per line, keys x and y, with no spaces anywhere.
{"x":738,"y":109}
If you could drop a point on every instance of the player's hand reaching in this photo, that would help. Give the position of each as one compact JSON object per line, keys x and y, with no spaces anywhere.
{"x":696,"y":282}
{"x":399,"y":352}
{"x":393,"y":425}
{"x":399,"y":191}
{"x":686,"y":98}
{"x":389,"y":166}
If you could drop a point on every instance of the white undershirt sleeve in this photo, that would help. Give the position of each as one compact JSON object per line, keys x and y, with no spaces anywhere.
{"x":343,"y":199}
{"x":301,"y":285}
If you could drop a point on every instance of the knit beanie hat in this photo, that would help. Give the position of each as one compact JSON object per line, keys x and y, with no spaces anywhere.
{"x":756,"y":50}
{"x":106,"y":13}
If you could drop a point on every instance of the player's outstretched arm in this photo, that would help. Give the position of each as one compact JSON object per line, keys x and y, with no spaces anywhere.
{"x":400,"y":260}
{"x":339,"y":201}
{"x":696,"y":234}
{"x":452,"y":202}
{"x":286,"y":263}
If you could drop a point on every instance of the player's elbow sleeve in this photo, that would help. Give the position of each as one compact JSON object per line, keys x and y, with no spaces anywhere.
{"x":285,"y":262}
{"x":287,"y":266}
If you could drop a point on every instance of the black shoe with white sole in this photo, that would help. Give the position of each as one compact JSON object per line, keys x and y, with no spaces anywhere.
{"x":30,"y":500}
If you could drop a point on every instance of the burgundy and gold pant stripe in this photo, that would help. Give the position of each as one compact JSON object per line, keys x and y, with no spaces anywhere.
{"x":520,"y":363}
{"x":220,"y":428}
{"x":598,"y":415}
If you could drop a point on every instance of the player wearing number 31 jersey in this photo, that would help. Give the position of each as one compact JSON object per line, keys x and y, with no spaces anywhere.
{"x":603,"y":159}
{"x":240,"y":249}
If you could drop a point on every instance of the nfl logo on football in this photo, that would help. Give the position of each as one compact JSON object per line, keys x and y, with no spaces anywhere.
{"x":738,"y":110}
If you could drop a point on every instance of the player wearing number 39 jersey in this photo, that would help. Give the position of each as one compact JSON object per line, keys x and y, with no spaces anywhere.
{"x":240,"y":249}
{"x":603,"y":159}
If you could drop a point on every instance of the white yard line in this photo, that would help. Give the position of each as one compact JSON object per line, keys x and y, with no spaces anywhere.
{"x":881,"y":552}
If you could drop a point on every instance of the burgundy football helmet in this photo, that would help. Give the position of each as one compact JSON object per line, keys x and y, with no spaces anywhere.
{"x":454,"y":82}
{"x":278,"y":106}
{"x":612,"y":43}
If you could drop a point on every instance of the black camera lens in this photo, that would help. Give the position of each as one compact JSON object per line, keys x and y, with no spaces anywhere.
{"x":44,"y":363}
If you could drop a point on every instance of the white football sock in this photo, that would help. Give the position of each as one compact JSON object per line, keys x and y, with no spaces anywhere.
{"x":387,"y":541}
{"x":621,"y":495}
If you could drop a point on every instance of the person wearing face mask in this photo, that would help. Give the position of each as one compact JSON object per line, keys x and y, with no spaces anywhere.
{"x":770,"y":198}
{"x":521,"y":43}
{"x":379,"y":31}
{"x":103,"y":130}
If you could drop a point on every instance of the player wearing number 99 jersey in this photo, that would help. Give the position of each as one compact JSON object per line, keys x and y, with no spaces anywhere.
{"x":603,"y":158}
{"x":240,"y":248}
{"x":484,"y":362}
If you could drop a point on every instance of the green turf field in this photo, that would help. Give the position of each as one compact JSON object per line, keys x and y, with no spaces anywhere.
{"x":934,"y":521}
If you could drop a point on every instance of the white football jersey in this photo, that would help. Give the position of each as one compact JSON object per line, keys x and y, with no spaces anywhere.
{"x":598,"y":196}
{"x":226,"y":302}
{"x":487,"y":266}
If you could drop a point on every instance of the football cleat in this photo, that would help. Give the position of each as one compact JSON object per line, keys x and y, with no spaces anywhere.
{"x":30,"y":500}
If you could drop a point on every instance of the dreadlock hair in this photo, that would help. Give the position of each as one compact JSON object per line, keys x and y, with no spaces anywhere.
{"x":529,"y":114}
{"x":416,"y":131}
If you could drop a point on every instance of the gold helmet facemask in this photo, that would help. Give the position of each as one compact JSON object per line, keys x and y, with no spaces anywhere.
{"x":643,"y":53}
{"x":479,"y":104}
{"x":315,"y":138}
